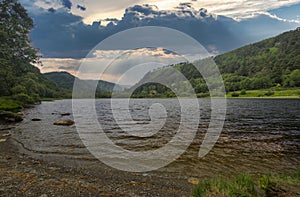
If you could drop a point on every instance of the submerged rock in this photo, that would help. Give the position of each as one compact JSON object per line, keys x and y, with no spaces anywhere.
{"x":36,"y":119}
{"x":65,"y":114}
{"x":66,"y":122}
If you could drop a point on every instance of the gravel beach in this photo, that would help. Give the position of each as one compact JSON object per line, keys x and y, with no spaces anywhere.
{"x":22,"y":175}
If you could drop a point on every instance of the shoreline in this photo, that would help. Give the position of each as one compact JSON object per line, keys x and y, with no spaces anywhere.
{"x":23,"y":175}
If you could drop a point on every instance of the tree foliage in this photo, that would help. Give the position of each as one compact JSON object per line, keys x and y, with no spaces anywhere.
{"x":19,"y":79}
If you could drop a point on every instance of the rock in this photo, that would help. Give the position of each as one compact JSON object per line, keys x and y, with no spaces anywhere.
{"x":193,"y":181}
{"x":66,"y":122}
{"x":10,"y":116}
{"x":36,"y":119}
{"x":20,"y":114}
{"x":5,"y":135}
{"x":134,"y":183}
{"x":65,"y":114}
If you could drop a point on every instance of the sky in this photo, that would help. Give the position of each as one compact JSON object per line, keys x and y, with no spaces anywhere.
{"x":92,"y":10}
{"x":66,"y":30}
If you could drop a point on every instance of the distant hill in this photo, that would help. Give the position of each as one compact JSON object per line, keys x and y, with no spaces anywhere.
{"x":273,"y":62}
{"x":62,"y":79}
{"x":66,"y":80}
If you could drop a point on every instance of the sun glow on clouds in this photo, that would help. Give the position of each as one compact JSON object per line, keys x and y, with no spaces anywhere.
{"x":118,"y":60}
{"x":237,"y":9}
{"x":244,"y":8}
{"x":102,"y":9}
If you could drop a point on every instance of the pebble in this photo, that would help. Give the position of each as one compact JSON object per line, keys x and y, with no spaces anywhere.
{"x":193,"y":181}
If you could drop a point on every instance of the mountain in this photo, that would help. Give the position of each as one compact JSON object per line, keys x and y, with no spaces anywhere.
{"x":274,"y":62}
{"x":66,"y":80}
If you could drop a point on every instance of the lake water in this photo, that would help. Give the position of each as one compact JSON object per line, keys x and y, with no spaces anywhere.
{"x":259,"y":135}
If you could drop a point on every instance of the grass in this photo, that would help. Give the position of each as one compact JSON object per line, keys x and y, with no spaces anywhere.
{"x":269,"y":93}
{"x":246,"y":185}
{"x":50,"y":99}
{"x":7,"y":104}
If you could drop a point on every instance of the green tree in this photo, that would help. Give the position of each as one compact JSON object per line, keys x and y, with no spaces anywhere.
{"x":15,"y":25}
{"x":19,"y":79}
{"x":293,"y":79}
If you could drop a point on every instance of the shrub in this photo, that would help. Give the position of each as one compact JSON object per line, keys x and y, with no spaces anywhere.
{"x":269,"y":93}
{"x":36,"y":98}
{"x":24,"y":99}
{"x":235,"y":94}
{"x":9,"y":105}
{"x":243,"y":92}
{"x":203,"y":95}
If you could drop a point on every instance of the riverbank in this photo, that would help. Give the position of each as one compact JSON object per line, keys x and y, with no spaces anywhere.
{"x":287,"y":185}
{"x":22,"y":175}
{"x":267,"y":93}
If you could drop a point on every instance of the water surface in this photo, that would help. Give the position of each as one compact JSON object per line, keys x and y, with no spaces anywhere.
{"x":259,"y":135}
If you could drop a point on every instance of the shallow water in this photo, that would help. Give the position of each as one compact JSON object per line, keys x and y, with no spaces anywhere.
{"x":259,"y":135}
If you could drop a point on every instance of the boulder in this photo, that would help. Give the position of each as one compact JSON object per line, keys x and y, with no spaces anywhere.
{"x":66,"y":122}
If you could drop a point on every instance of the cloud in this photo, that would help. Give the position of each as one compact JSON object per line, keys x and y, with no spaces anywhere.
{"x":119,"y":61}
{"x":82,"y":8}
{"x":101,"y":9}
{"x":69,"y":37}
{"x":287,"y":12}
{"x":238,"y":9}
{"x":52,"y":10}
{"x":67,"y":4}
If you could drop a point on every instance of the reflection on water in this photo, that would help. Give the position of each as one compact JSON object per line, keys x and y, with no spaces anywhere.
{"x":259,"y":135}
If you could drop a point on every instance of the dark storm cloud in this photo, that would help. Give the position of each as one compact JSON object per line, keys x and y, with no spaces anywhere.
{"x":80,"y":7}
{"x":67,"y":4}
{"x":61,"y":34}
{"x":52,"y":10}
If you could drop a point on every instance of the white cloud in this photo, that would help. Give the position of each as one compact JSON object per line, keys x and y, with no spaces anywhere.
{"x":237,"y":9}
{"x":102,"y":9}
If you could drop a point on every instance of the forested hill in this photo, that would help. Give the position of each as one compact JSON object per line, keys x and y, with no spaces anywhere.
{"x":274,"y":62}
{"x":21,"y":83}
{"x":264,"y":64}
{"x":66,"y":80}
